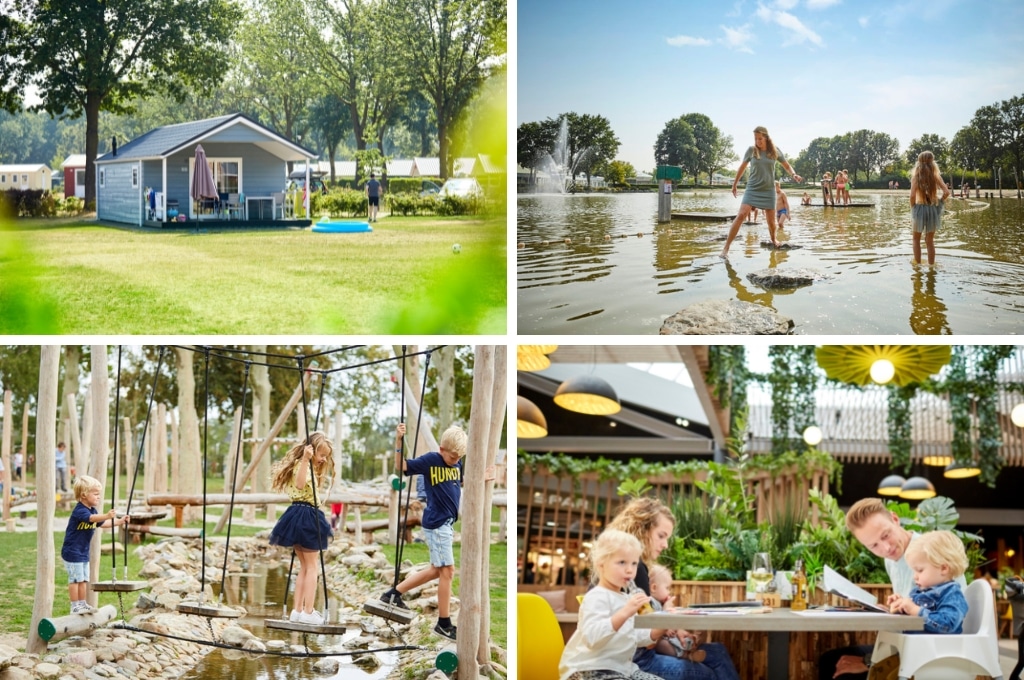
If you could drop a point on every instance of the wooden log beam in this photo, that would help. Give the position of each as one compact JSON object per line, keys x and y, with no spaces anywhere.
{"x":53,"y":629}
{"x":157,"y":530}
{"x":336,"y":496}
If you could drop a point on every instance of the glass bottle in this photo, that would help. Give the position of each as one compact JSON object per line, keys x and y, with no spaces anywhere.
{"x":799,"y":588}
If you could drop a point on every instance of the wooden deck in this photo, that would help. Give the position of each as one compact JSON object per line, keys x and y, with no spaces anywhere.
{"x":706,"y":216}
{"x":225,"y":225}
{"x":838,"y":205}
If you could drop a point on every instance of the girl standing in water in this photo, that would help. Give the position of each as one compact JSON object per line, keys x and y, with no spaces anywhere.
{"x":925,"y":205}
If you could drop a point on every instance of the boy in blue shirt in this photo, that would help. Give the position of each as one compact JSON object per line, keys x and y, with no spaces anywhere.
{"x":75,"y":551}
{"x":442,"y":480}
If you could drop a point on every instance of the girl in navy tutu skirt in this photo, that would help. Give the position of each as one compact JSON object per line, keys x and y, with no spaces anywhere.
{"x":303,"y":525}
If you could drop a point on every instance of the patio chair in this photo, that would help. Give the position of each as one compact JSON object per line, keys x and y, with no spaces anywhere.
{"x":233,"y":206}
{"x":540,"y":639}
{"x":937,"y":657}
{"x":278,"y":205}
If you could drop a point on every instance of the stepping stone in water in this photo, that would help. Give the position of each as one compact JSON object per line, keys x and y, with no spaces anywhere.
{"x":784,"y":246}
{"x":785,"y":278}
{"x":726,"y":317}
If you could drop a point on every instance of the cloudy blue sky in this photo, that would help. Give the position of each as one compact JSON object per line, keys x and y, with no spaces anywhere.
{"x":802,"y":68}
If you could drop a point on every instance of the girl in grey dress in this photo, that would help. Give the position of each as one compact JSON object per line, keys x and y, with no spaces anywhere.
{"x":760,"y":191}
{"x":925,"y":205}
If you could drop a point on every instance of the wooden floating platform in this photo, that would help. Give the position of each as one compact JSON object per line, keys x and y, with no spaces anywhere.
{"x":710,"y":217}
{"x":209,"y":611}
{"x":389,"y":611}
{"x":323,"y":629}
{"x":837,"y":205}
{"x":118,"y":586}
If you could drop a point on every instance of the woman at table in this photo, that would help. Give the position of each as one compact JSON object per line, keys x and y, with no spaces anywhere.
{"x":652,"y":524}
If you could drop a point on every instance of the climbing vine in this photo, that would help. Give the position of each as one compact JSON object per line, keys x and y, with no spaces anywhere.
{"x":793,"y":381}
{"x":728,"y":377}
{"x":898,"y":419}
{"x":990,"y":437}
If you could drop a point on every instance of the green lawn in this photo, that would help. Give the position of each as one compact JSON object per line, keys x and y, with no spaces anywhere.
{"x":80,"y":278}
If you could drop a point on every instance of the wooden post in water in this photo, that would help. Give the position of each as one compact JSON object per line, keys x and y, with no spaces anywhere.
{"x":664,"y":201}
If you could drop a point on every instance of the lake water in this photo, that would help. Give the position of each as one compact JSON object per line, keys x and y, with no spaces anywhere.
{"x":629,"y":282}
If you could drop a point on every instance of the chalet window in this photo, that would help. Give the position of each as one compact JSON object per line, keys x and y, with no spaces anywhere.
{"x":103,"y":177}
{"x":135,"y":178}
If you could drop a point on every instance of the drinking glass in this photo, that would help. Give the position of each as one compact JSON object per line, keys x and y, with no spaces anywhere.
{"x":761,"y":571}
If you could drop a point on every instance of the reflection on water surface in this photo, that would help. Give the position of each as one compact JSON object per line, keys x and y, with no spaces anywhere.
{"x":601,"y":264}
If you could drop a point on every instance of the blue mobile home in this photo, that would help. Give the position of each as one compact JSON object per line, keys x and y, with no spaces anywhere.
{"x":248,"y":160}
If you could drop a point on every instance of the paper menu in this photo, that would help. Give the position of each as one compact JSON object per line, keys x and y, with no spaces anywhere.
{"x":833,"y":583}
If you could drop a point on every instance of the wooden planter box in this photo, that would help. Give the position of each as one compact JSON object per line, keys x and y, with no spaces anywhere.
{"x":749,"y":650}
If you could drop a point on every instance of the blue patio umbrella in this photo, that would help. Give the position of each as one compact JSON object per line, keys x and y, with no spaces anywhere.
{"x":203,"y":185}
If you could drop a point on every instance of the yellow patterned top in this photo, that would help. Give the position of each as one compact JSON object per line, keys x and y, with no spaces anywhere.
{"x":305,"y":494}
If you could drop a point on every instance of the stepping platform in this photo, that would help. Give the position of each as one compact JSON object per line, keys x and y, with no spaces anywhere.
{"x":710,"y":217}
{"x":208,"y":610}
{"x":118,"y":586}
{"x":323,"y":629}
{"x":837,"y":205}
{"x":389,"y":611}
{"x":53,"y":629}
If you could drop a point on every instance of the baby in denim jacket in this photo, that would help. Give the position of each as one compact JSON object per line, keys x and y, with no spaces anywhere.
{"x":936,"y":558}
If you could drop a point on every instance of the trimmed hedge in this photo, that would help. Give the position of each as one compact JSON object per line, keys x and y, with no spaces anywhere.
{"x":38,"y":203}
{"x":410,"y":185}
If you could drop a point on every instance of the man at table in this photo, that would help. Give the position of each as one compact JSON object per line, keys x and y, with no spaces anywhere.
{"x":879,"y":530}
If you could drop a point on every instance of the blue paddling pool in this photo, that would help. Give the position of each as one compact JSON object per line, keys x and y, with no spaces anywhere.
{"x":326,"y":226}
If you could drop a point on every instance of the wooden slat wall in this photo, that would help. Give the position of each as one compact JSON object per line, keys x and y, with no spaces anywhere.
{"x":580,"y":508}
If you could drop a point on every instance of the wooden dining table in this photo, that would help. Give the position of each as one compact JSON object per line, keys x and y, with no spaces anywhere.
{"x":778,"y":624}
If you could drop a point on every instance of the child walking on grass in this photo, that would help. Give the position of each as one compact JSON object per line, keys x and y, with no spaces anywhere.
{"x":84,"y":520}
{"x":605,"y":639}
{"x":303,"y":526}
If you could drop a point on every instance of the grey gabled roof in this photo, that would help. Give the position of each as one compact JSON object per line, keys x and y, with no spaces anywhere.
{"x":164,"y":141}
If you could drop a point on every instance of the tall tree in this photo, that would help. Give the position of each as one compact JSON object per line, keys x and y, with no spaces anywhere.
{"x":591,"y":137}
{"x":356,"y":63}
{"x":937,"y":144}
{"x":274,"y":70}
{"x":331,"y":120}
{"x":1012,"y":113}
{"x":449,"y":47}
{"x":94,"y":55}
{"x":534,"y":141}
{"x":708,"y":145}
{"x":882,"y":150}
{"x":677,"y":145}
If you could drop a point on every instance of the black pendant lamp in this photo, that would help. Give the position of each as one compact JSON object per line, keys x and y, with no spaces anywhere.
{"x":588,"y":394}
{"x":891,"y":485}
{"x":530,"y":420}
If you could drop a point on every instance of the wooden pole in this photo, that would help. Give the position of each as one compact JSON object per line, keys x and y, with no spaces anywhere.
{"x":233,"y":451}
{"x":100,"y":431}
{"x":8,"y":475}
{"x":24,"y":441}
{"x":46,"y":475}
{"x":129,"y":458}
{"x":471,"y":576}
{"x":75,"y":436}
{"x":160,"y":449}
{"x":499,"y":403}
{"x":87,"y":441}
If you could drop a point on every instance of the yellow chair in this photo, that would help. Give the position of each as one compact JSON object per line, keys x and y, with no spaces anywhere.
{"x":1006,"y":620}
{"x":540,"y":638}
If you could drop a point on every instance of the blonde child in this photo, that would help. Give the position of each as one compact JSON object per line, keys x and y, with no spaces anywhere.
{"x":781,"y":205}
{"x":442,"y":477}
{"x":680,"y":644}
{"x":925,"y":206}
{"x":826,"y":189}
{"x":806,"y":200}
{"x":85,"y":518}
{"x":605,"y":639}
{"x":303,"y":525}
{"x":936,"y":558}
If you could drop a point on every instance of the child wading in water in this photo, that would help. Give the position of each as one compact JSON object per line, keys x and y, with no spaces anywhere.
{"x":75,"y":551}
{"x":925,"y":205}
{"x":303,"y":525}
{"x":781,"y":205}
{"x":602,"y":646}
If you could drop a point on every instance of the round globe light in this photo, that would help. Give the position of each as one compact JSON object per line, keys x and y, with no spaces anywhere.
{"x":1017,"y":415}
{"x":813,"y":435}
{"x":882,"y":371}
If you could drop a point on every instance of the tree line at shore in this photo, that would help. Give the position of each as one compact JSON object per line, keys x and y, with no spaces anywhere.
{"x":990,"y":148}
{"x":417,"y":74}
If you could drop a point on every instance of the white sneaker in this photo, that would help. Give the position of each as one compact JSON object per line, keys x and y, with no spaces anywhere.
{"x":76,"y":608}
{"x":294,"y":617}
{"x":88,"y":609}
{"x":313,"y":618}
